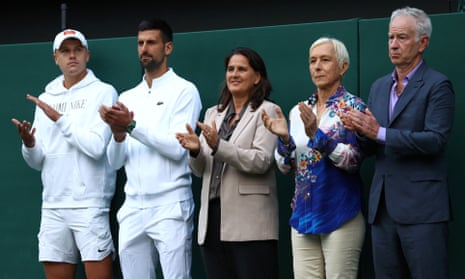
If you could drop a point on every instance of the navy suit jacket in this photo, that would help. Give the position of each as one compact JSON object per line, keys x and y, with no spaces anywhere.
{"x":411,"y":166}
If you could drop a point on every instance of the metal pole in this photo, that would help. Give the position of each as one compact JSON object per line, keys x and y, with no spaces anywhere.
{"x":63,"y":16}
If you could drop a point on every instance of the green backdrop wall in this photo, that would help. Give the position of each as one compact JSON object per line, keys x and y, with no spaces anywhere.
{"x":198,"y":56}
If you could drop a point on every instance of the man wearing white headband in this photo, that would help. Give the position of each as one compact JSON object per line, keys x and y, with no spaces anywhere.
{"x":67,"y":142}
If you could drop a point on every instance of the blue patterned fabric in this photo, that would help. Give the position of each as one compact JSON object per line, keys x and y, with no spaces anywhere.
{"x":327,"y":181}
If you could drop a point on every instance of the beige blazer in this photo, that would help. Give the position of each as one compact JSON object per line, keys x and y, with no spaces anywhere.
{"x":249,"y":204}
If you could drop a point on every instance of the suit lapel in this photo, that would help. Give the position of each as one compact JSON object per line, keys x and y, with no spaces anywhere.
{"x":409,"y":92}
{"x":246,"y":117}
{"x":219,"y":117}
{"x":383,"y":108}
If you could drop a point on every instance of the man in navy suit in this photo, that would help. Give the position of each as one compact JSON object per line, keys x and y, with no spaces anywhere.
{"x":407,"y":125}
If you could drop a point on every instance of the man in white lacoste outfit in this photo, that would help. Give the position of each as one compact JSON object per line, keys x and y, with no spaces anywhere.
{"x":156,"y":218}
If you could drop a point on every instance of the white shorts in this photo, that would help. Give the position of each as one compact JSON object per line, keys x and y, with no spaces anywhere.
{"x":74,"y":234}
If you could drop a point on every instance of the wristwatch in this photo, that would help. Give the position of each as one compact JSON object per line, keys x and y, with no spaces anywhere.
{"x":131,"y":126}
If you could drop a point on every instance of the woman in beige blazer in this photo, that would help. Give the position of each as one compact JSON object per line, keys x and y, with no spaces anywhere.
{"x":238,"y":222}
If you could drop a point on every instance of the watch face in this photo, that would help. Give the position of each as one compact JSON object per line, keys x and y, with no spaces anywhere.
{"x":131,"y":126}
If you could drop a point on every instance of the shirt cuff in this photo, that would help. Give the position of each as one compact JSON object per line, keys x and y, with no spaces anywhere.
{"x":286,"y":150}
{"x":381,"y":136}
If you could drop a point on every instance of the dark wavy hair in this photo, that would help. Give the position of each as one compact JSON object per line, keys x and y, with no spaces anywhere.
{"x":263,"y":88}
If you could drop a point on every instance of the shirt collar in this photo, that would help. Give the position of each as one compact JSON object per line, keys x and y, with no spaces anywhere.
{"x":409,"y":75}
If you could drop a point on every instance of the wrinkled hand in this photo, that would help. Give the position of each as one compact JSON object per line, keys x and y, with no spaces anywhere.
{"x":277,"y":126}
{"x":48,"y":110}
{"x":309,"y":119}
{"x":210,"y":134}
{"x":25,"y":132}
{"x":189,"y":140}
{"x":364,"y":123}
{"x":346,"y":119}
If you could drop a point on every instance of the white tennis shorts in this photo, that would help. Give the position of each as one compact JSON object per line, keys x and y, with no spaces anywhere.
{"x":72,"y":235}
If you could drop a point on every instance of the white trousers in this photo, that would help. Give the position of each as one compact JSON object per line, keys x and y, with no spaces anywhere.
{"x":156,"y":234}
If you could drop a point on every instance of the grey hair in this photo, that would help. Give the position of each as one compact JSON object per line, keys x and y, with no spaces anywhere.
{"x":423,"y":21}
{"x":342,"y":54}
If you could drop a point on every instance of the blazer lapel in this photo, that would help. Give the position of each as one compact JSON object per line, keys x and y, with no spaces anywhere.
{"x":246,"y":117}
{"x":409,"y":92}
{"x":219,"y":117}
{"x":382,"y":111}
